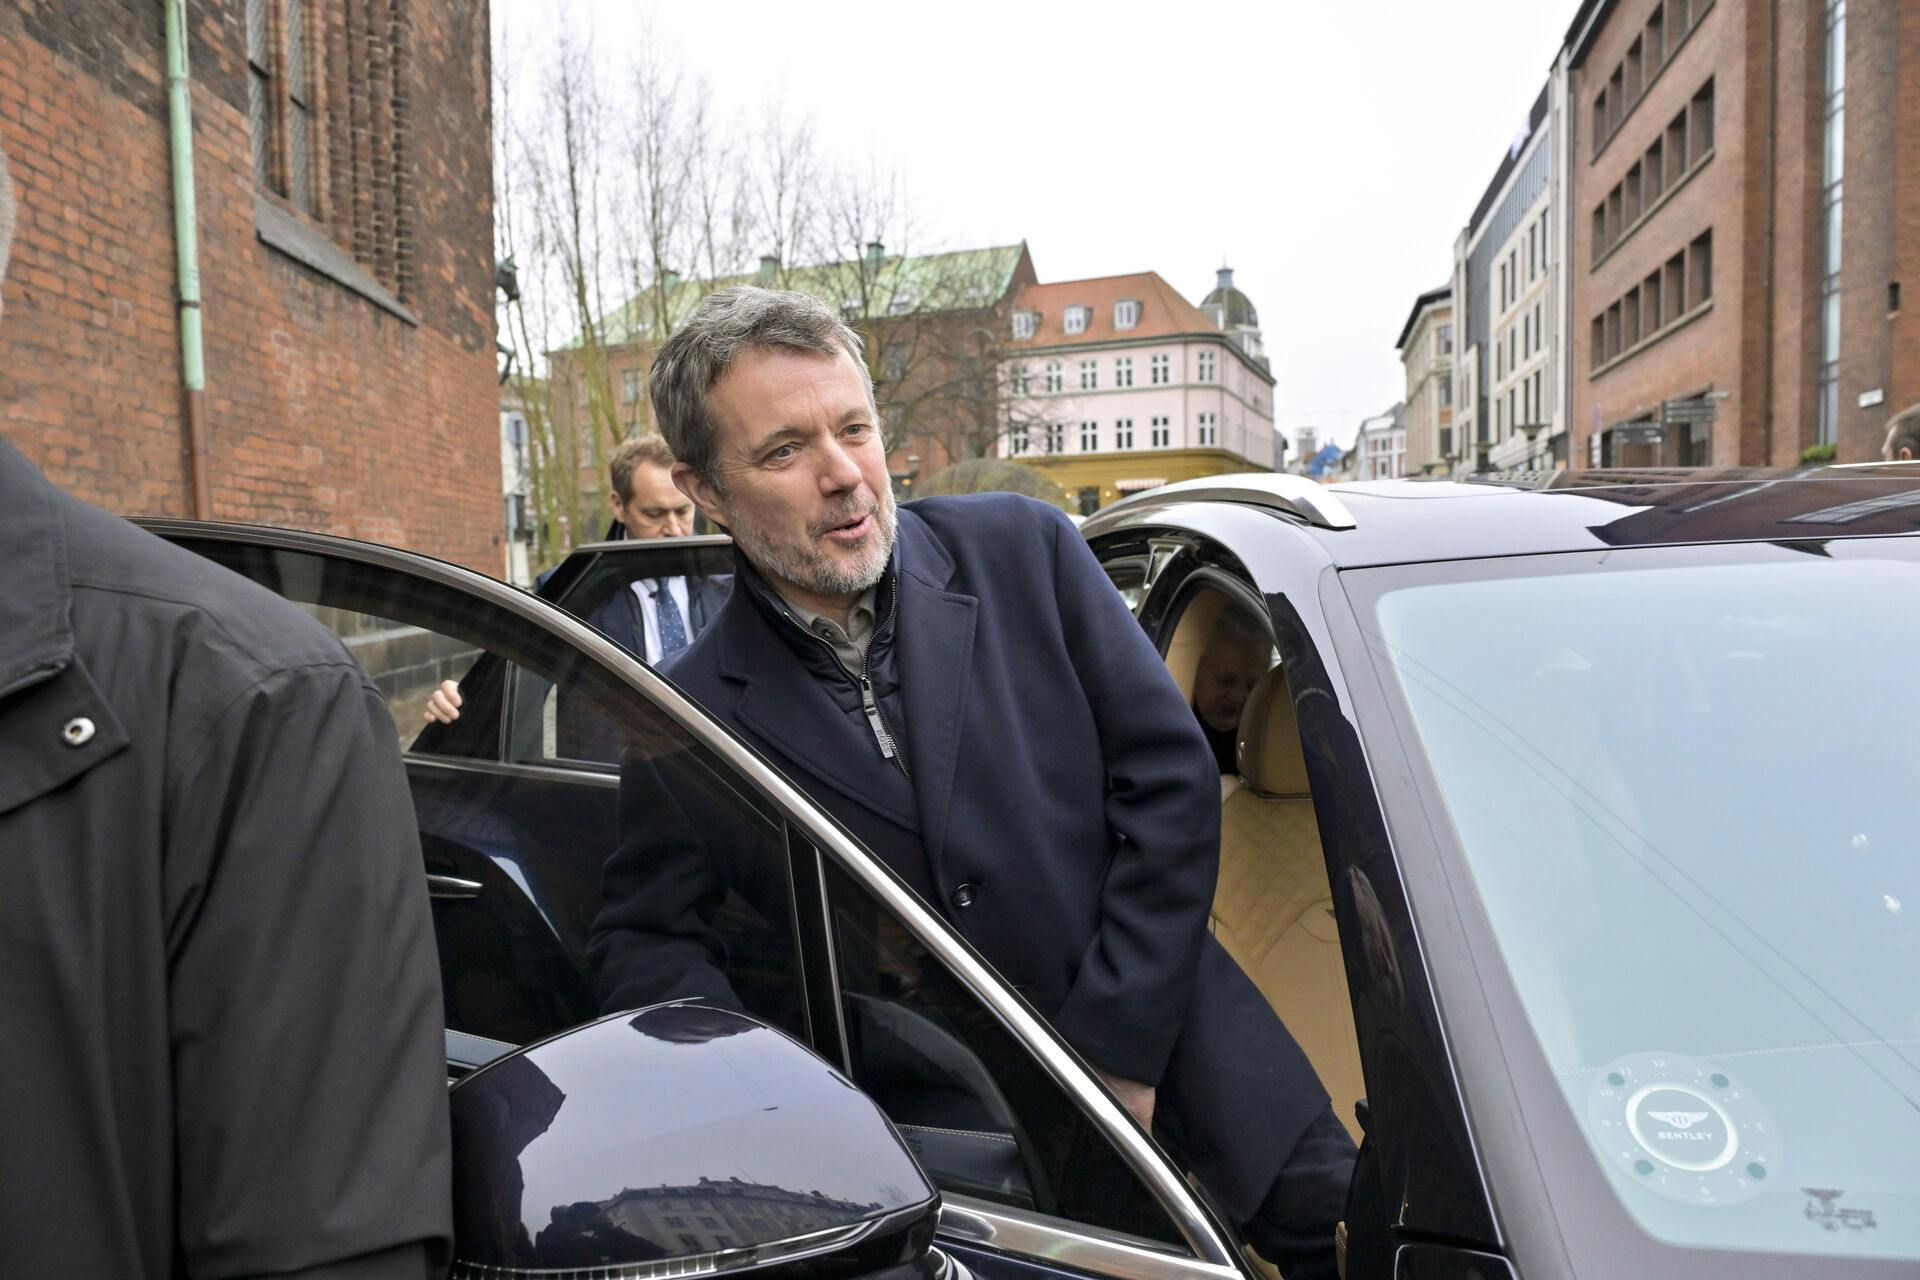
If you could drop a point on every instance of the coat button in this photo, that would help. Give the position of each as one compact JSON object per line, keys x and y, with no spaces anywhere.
{"x":77,"y":732}
{"x":963,"y":896}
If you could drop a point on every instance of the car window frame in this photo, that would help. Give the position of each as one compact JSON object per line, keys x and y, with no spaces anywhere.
{"x":1210,"y":1254}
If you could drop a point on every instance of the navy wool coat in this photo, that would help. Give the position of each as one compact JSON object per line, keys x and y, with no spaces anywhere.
{"x":1064,"y":815}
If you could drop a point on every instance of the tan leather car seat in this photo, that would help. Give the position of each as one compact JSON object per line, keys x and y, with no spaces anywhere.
{"x":1273,"y":909}
{"x":1190,"y":638}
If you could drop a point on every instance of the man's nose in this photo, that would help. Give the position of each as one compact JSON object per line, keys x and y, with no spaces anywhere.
{"x":679,"y":524}
{"x":839,"y":471}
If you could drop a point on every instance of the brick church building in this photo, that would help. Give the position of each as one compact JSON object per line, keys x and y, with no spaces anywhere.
{"x":343,"y":213}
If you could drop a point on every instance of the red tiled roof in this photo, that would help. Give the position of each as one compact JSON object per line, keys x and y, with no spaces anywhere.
{"x":1163,"y":312}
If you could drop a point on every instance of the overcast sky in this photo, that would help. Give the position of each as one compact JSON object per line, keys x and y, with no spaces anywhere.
{"x":1329,"y":153}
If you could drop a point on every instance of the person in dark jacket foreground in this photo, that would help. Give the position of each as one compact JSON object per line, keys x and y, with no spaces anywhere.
{"x":960,"y":685}
{"x":218,"y":989}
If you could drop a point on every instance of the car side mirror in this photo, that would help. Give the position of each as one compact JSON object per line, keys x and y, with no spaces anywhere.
{"x":681,"y":1140}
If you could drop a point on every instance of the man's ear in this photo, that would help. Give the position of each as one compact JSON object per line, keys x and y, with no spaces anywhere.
{"x":701,"y":492}
{"x":614,"y":505}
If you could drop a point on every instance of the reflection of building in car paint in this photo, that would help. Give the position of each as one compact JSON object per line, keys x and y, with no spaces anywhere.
{"x":705,"y":1217}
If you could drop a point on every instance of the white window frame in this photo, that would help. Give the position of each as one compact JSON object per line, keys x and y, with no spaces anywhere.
{"x":1205,"y":371}
{"x":1159,"y":374}
{"x":1056,"y":378}
{"x":1056,"y":437}
{"x":1089,"y":375}
{"x":1025,"y":324}
{"x":1089,"y":437}
{"x":1126,"y":314}
{"x":1076,"y":319}
{"x":1209,"y":429}
{"x":1160,"y":432}
{"x":1019,"y":442}
{"x":1123,"y":371}
{"x":1022,"y":380}
{"x":1123,"y":433}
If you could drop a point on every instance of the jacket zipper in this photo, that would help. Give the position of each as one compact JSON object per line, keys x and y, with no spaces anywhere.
{"x":876,"y":718}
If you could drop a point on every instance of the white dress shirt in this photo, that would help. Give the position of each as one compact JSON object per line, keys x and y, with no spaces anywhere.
{"x":650,"y":617}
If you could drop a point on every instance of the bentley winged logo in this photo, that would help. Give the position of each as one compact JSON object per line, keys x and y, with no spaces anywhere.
{"x":1679,"y":1119}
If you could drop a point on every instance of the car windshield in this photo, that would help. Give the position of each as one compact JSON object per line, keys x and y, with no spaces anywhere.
{"x":1683,"y":782}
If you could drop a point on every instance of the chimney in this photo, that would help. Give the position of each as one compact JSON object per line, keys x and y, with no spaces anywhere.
{"x":769,"y":269}
{"x":875,"y":252}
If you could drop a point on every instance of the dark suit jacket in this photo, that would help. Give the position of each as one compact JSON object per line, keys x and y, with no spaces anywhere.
{"x":619,"y":614}
{"x":1058,"y":776}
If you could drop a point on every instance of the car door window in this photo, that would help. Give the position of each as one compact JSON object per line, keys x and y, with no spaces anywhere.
{"x":616,"y":589}
{"x":515,"y":851}
{"x":984,"y":1116}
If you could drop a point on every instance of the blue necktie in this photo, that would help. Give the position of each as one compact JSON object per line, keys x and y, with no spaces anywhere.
{"x":673,"y":631}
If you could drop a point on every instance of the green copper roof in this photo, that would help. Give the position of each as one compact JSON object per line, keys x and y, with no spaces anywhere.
{"x":894,"y":285}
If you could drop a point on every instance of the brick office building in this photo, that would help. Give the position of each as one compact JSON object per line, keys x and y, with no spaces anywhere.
{"x":342,"y":164}
{"x":1744,"y":186}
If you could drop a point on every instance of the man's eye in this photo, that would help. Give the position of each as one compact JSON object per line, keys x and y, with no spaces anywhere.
{"x":858,"y":429}
{"x":783,"y":453}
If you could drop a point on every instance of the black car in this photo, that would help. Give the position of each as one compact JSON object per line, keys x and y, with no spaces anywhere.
{"x":1570,"y":829}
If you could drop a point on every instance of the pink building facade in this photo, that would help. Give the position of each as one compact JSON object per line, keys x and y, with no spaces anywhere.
{"x":1105,"y":371}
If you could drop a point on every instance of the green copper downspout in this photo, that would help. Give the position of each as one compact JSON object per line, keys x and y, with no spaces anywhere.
{"x":186,"y":235}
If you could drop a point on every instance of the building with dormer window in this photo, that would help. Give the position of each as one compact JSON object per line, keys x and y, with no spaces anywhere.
{"x":1161,"y":390}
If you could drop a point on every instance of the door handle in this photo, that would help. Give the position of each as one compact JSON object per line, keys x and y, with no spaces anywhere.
{"x":451,"y":888}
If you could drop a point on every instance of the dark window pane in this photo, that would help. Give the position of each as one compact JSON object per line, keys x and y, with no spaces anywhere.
{"x":260,"y":122}
{"x":257,"y":41}
{"x":297,"y":69}
{"x":519,"y":852}
{"x":300,"y":158}
{"x":984,"y":1117}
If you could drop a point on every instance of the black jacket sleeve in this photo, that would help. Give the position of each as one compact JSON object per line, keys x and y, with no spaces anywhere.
{"x":1129,"y":995}
{"x":310,"y":1111}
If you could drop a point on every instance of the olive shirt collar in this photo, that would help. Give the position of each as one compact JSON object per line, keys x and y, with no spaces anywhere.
{"x":850,"y":641}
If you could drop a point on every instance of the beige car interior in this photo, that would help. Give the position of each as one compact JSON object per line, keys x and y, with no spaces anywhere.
{"x":1273,"y":908}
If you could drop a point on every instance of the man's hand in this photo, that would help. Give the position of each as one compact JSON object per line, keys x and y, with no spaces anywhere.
{"x":1137,"y":1098}
{"x":444,"y":705}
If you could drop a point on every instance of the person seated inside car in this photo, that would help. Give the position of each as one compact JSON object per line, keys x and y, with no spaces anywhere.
{"x":1238,"y":653}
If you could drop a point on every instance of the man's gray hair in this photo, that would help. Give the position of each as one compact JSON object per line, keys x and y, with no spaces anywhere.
{"x":729,"y":322}
{"x":7,"y":213}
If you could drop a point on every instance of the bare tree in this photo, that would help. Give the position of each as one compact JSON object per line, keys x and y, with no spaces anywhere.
{"x":624,"y":198}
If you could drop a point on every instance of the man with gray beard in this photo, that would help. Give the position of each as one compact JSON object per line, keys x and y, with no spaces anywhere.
{"x":959,"y":684}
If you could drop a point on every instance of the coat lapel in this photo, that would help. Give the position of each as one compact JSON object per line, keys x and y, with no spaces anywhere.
{"x":785,"y":706}
{"x":934,"y":643}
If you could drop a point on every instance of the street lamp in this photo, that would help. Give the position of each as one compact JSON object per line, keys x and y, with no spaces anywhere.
{"x":1532,"y":431}
{"x":903,"y":480}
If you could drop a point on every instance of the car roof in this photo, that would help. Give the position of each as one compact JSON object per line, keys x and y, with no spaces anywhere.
{"x":1411,"y":521}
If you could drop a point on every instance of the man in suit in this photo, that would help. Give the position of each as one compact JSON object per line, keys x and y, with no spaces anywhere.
{"x":961,"y":686}
{"x":653,"y":617}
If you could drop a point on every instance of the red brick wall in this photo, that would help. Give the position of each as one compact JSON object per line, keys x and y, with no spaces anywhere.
{"x":1705,"y":354}
{"x":1903,"y":380}
{"x":324,"y":410}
